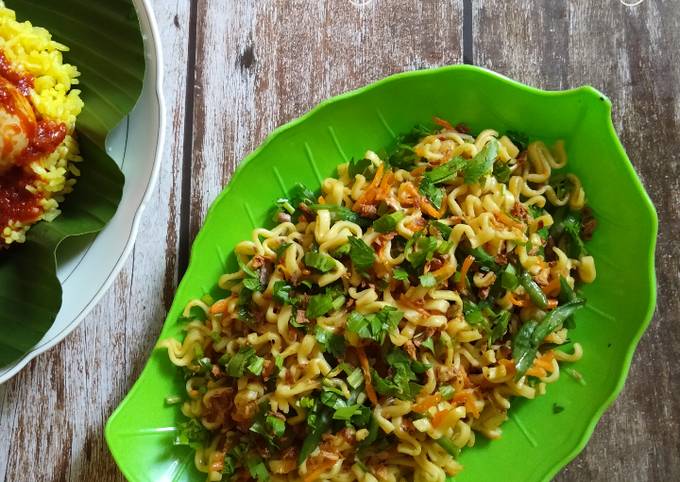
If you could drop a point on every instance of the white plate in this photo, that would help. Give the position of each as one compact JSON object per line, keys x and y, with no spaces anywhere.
{"x":92,"y":263}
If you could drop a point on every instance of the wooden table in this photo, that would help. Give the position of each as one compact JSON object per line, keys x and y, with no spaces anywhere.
{"x":236,"y":69}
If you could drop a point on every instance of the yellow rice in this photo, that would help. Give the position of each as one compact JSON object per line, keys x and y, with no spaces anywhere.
{"x":31,"y":50}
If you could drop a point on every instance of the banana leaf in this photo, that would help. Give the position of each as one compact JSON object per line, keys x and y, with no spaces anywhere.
{"x":106,"y":46}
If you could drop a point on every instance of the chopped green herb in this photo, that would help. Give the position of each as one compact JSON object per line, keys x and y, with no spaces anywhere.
{"x":446,"y":171}
{"x":403,"y":156}
{"x":388,"y":222}
{"x":402,"y":384}
{"x":433,"y":194}
{"x":447,"y":392}
{"x":358,"y":167}
{"x":356,"y":378}
{"x":284,"y":205}
{"x":276,"y":425}
{"x":448,"y":445}
{"x":341,"y":251}
{"x":341,"y":213}
{"x":319,"y":305}
{"x":500,"y":327}
{"x":572,"y":226}
{"x":330,"y":342}
{"x":256,"y":467}
{"x":256,"y":365}
{"x":444,"y":247}
{"x":473,"y":314}
{"x":191,"y":433}
{"x":318,"y":420}
{"x":245,"y":358}
{"x":319,"y":261}
{"x":232,"y":460}
{"x":429,"y":344}
{"x":561,"y":185}
{"x":502,"y":172}
{"x":374,"y":326}
{"x":247,"y":270}
{"x":420,"y":249}
{"x":428,"y":280}
{"x":484,"y":258}
{"x":373,"y":428}
{"x":509,"y":280}
{"x":281,"y":250}
{"x":281,"y":292}
{"x":253,"y":284}
{"x":400,"y":274}
{"x":443,"y":229}
{"x":362,"y":255}
{"x":300,"y":194}
{"x":292,"y":321}
{"x":482,"y":163}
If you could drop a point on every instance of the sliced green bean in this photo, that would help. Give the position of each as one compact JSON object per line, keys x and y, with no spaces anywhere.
{"x":534,"y":291}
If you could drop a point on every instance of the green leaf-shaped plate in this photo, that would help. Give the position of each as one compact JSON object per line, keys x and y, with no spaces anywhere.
{"x":536,"y":443}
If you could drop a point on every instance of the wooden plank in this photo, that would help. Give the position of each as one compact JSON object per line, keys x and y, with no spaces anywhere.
{"x":631,"y":54}
{"x":52,"y":414}
{"x":261,"y":64}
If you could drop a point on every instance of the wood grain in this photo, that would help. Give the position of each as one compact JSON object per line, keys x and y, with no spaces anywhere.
{"x":261,"y":64}
{"x":53,"y":413}
{"x":631,"y":54}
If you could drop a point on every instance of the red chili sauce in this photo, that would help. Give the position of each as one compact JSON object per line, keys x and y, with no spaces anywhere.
{"x":44,"y":136}
{"x":16,"y":203}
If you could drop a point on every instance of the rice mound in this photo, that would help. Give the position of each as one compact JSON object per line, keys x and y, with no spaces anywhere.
{"x":31,"y":50}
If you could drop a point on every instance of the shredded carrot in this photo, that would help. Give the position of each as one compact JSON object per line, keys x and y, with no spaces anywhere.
{"x":369,"y":195}
{"x":545,"y":361}
{"x":468,"y":400}
{"x":463,"y":272}
{"x":384,"y":188}
{"x":439,"y":417}
{"x":427,"y":402}
{"x":542,"y":365}
{"x":518,"y":301}
{"x":316,"y":473}
{"x":552,"y":303}
{"x":507,"y":220}
{"x":416,"y":224}
{"x":462,"y":398}
{"x":219,"y":306}
{"x":536,"y":372}
{"x":428,"y":208}
{"x":443,"y":123}
{"x":321,"y":200}
{"x":552,"y":288}
{"x":509,"y":366}
{"x":418,"y":170}
{"x":370,"y":391}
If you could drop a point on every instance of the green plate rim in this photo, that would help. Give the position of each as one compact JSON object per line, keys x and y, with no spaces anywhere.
{"x":586,"y":90}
